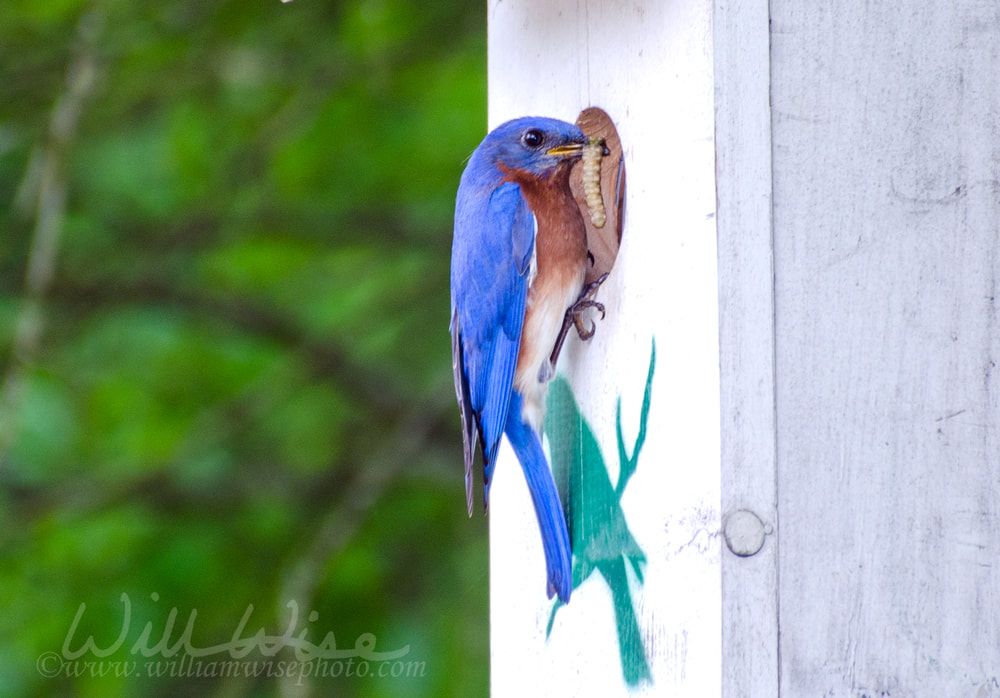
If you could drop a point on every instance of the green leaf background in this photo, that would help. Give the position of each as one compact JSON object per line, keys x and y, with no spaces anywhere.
{"x":233,"y":387}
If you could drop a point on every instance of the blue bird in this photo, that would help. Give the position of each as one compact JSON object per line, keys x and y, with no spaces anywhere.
{"x":519,"y":258}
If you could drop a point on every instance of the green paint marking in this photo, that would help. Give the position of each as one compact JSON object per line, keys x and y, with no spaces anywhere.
{"x":599,"y":533}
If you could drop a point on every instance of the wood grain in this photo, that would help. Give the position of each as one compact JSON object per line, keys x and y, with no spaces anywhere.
{"x":886,"y":125}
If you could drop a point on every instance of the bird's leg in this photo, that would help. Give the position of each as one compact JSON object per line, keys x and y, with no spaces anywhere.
{"x":573,"y":319}
{"x":575,"y":313}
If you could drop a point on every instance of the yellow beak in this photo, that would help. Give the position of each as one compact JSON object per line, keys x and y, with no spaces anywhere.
{"x":566,"y":150}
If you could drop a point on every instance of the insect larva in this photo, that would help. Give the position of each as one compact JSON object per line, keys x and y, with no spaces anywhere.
{"x":592,"y":154}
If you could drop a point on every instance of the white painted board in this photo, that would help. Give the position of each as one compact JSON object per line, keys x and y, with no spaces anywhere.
{"x":746,"y":343}
{"x":649,"y":66}
{"x":853,"y":348}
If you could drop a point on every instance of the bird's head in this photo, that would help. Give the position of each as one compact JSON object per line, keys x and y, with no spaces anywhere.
{"x":532,"y":146}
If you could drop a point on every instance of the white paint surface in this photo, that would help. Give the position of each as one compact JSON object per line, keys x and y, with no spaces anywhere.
{"x":649,"y":66}
{"x":850,"y":310}
{"x":746,"y":339}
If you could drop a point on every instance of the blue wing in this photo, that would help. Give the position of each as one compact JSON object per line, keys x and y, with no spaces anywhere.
{"x":491,"y":253}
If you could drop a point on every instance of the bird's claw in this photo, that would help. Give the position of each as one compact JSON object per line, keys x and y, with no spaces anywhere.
{"x":590,"y":289}
{"x":584,"y":302}
{"x":572,"y":318}
{"x":577,"y":311}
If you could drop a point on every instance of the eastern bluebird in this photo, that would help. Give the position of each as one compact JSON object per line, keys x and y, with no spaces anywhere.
{"x":518,"y":262}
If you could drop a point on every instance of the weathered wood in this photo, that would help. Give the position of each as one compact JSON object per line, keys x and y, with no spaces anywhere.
{"x":746,"y":341}
{"x":649,"y":66}
{"x":886,"y":125}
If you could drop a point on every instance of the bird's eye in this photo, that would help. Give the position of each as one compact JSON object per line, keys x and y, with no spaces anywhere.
{"x":533,"y":138}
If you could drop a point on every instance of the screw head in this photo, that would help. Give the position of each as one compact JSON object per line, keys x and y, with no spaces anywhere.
{"x":744,"y":533}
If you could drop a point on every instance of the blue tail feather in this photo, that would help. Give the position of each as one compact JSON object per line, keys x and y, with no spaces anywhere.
{"x":548,"y":509}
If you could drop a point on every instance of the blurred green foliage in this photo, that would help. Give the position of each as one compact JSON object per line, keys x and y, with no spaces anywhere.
{"x":227,"y":381}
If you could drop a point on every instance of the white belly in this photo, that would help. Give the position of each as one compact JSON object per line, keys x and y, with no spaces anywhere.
{"x":543,"y":320}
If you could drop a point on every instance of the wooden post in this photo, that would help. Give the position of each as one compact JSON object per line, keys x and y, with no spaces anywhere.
{"x":649,"y":66}
{"x":886,"y":191}
{"x":746,"y":343}
{"x":815,"y":505}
